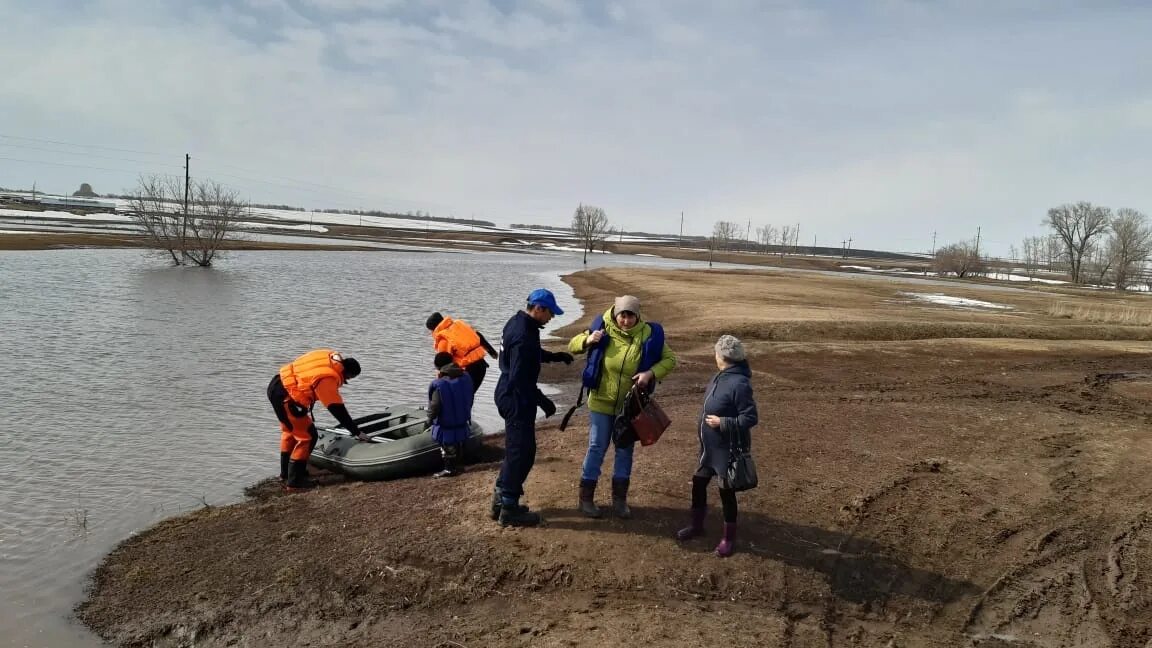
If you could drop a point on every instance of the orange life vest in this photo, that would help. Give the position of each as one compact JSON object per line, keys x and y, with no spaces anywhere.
{"x":459,"y":339}
{"x":301,"y":375}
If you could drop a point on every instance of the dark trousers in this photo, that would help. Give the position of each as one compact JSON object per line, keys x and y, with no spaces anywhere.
{"x":476,"y":372}
{"x":519,"y":456}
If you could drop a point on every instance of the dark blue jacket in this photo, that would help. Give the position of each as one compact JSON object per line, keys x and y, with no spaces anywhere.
{"x":517,"y":395}
{"x":450,"y":406}
{"x":729,"y":396}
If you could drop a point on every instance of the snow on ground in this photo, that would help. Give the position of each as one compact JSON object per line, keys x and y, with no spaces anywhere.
{"x":303,"y":227}
{"x":871,"y":269}
{"x":99,"y":216}
{"x":1015,"y":277}
{"x":959,"y":302}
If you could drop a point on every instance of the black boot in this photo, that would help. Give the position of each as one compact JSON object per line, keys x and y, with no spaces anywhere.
{"x":298,"y":477}
{"x":620,"y":498}
{"x":450,"y":455}
{"x":284,"y":458}
{"x":516,"y":515}
{"x":588,"y":499}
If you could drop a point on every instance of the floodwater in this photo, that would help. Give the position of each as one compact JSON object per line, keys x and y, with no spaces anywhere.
{"x":136,"y":391}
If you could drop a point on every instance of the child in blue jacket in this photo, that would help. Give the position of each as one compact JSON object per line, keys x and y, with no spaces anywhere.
{"x":450,"y":412}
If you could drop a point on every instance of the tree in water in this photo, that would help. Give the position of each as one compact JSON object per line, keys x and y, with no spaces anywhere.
{"x":590,"y":225}
{"x":189,"y":224}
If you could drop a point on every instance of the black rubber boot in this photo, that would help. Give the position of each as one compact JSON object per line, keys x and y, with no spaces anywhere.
{"x":620,"y":498}
{"x":284,"y":459}
{"x":588,"y":499}
{"x":450,"y":455}
{"x":298,"y":477}
{"x":515,"y":515}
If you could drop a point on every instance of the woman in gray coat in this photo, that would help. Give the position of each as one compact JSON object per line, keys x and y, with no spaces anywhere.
{"x":729,"y":410}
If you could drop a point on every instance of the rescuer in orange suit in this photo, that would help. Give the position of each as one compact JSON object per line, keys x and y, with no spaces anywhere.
{"x":314,"y":376}
{"x":465,"y":343}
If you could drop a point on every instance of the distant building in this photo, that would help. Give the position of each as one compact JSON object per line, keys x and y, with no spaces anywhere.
{"x":86,"y":204}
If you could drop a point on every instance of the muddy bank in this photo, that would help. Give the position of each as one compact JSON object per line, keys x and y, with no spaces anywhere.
{"x":933,"y":492}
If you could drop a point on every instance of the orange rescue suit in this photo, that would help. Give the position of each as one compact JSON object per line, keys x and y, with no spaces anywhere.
{"x":314,"y":376}
{"x":303,"y":378}
{"x":459,"y":339}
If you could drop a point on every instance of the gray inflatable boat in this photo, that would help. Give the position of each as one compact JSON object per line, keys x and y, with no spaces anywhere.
{"x":400,"y":445}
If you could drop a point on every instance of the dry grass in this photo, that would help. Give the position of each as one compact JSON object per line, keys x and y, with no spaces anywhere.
{"x":808,"y":307}
{"x":1122,"y":314}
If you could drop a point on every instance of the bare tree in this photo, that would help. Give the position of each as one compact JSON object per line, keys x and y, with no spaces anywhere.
{"x":1054,"y":253}
{"x":1078,"y":225}
{"x":1129,"y":245}
{"x":960,"y":259}
{"x":786,"y":233}
{"x":765,"y":235}
{"x":192,"y":232}
{"x":723,"y":232}
{"x":590,"y":225}
{"x":1033,"y":248}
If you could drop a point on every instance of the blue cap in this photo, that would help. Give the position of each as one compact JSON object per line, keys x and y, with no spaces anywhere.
{"x":544,"y":297}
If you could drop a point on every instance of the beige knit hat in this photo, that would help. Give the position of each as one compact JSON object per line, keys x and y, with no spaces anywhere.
{"x":626,"y":303}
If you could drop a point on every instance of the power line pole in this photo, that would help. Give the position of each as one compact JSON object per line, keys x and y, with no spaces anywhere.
{"x":977,"y":242}
{"x":680,"y":240}
{"x":933,"y":253}
{"x":184,"y":225}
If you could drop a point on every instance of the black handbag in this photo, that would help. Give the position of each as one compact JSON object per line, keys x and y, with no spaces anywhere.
{"x":741,"y":472}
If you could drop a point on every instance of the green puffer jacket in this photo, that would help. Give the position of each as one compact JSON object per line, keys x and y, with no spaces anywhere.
{"x":621,"y":360}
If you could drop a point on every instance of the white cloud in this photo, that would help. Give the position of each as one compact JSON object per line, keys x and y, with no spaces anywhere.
{"x":866,"y":122}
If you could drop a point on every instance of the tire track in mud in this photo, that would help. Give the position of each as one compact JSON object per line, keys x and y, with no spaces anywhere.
{"x":1077,"y":589}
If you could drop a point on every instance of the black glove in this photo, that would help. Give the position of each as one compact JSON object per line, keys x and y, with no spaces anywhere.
{"x":564,"y":357}
{"x":548,"y":406}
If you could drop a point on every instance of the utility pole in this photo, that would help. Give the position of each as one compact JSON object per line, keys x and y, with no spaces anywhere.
{"x":977,"y":242}
{"x":748,"y":231}
{"x":680,"y":240}
{"x":711,"y":246}
{"x":184,"y":225}
{"x":933,"y":253}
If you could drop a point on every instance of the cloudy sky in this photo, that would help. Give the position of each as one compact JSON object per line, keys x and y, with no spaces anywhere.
{"x":882,"y":120}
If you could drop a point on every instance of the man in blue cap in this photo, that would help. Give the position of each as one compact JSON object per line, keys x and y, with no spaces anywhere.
{"x":517,"y":398}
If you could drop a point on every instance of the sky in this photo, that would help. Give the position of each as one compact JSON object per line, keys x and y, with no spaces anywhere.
{"x":893,"y":123}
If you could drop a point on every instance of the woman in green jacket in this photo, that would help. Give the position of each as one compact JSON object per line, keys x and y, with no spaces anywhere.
{"x":622,"y":349}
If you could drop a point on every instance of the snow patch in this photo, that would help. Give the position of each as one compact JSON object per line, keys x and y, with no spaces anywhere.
{"x":959,"y":302}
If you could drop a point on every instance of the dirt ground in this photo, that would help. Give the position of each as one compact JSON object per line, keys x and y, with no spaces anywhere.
{"x":917,"y":489}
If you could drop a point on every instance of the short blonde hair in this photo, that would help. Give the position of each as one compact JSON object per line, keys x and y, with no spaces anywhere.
{"x":731,"y":349}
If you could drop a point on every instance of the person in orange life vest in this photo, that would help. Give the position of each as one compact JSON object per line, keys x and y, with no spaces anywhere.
{"x":450,"y":399}
{"x":465,"y":343}
{"x":314,"y":376}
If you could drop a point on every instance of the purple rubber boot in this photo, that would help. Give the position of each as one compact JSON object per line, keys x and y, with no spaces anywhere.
{"x":696,"y":528}
{"x":728,"y":542}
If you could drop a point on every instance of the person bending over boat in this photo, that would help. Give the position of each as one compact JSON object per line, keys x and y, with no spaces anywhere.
{"x":450,"y":399}
{"x":314,"y":376}
{"x":517,"y":398}
{"x":466,"y":345}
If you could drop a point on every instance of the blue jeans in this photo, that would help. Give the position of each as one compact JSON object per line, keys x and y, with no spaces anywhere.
{"x":599,"y":436}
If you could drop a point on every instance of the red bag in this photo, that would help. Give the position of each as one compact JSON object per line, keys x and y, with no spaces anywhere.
{"x":649,"y":421}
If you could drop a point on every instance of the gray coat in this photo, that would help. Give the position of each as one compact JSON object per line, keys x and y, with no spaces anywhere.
{"x":729,"y":396}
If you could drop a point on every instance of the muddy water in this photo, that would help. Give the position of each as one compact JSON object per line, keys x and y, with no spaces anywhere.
{"x":134,"y":392}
